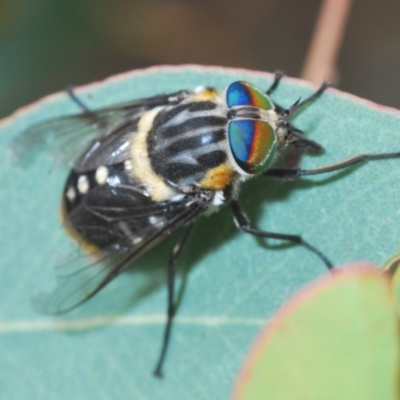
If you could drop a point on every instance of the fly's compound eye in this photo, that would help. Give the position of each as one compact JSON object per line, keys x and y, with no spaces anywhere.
{"x":245,"y":94}
{"x":252,"y":143}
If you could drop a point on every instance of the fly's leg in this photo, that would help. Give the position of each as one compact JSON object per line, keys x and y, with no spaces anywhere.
{"x":286,"y":173}
{"x":171,"y":309}
{"x":277,"y":78}
{"x":243,"y":223}
{"x":298,"y":105}
{"x":287,"y":112}
{"x":77,"y":100}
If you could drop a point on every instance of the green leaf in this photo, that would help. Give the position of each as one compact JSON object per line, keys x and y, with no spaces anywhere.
{"x":393,"y":271}
{"x":108,"y":347}
{"x":337,"y":339}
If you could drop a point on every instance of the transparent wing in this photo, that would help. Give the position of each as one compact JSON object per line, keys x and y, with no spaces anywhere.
{"x":82,"y":278}
{"x":66,"y":138}
{"x":76,"y":279}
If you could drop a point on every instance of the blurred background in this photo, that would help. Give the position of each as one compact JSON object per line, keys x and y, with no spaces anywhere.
{"x":47,"y":44}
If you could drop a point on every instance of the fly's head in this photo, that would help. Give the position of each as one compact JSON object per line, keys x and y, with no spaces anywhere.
{"x":257,"y":131}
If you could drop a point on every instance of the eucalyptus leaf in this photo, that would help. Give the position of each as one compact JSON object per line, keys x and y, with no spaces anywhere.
{"x":108,"y":347}
{"x":337,"y":339}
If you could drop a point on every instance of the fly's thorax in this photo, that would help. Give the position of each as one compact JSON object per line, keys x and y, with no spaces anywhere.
{"x":187,"y":144}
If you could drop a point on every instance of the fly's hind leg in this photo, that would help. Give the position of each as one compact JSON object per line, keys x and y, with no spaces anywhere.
{"x":171,"y":309}
{"x":243,"y":223}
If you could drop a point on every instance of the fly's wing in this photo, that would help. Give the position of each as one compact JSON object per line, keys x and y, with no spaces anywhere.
{"x":101,"y":216}
{"x":81,"y":279}
{"x":67,"y":137}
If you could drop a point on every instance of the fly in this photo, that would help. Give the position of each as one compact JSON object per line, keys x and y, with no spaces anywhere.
{"x":151,"y":167}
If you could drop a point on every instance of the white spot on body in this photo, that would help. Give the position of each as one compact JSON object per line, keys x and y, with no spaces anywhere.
{"x":137,"y":240}
{"x":101,"y":175}
{"x":219,"y":198}
{"x":83,"y":184}
{"x":114,"y":180}
{"x":177,"y":197}
{"x":153,"y":220}
{"x":71,"y":194}
{"x":199,"y":89}
{"x":156,"y":220}
{"x":128,"y":165}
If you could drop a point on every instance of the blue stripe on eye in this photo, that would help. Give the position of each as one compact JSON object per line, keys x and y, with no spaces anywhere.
{"x":252,"y":143}
{"x":241,"y":135}
{"x":238,"y":94}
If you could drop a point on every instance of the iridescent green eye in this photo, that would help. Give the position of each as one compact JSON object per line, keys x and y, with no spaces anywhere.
{"x":252,"y":143}
{"x":245,"y":94}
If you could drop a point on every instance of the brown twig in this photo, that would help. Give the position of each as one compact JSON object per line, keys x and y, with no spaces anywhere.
{"x":321,"y":59}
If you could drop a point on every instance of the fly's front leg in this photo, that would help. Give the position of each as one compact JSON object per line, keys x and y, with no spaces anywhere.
{"x":171,"y":309}
{"x":286,"y":173}
{"x":243,"y":223}
{"x":277,"y":79}
{"x":298,"y":105}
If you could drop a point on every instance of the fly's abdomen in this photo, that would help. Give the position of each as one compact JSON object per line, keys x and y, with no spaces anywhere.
{"x":105,"y":208}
